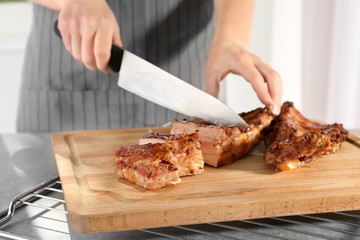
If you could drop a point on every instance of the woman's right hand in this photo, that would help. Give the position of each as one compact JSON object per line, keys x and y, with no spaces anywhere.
{"x":88,"y":29}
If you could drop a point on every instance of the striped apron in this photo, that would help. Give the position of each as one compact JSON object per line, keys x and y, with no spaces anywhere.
{"x":58,"y":93}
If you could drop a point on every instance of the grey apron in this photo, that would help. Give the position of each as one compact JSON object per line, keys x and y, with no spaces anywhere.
{"x":59,"y":93}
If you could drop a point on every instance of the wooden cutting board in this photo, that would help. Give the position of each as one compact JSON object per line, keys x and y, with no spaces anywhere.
{"x":98,"y":200}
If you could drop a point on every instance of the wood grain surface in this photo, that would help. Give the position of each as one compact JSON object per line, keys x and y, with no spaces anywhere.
{"x":98,"y":200}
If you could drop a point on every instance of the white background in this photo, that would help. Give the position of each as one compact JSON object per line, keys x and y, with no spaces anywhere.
{"x":15,"y":23}
{"x":279,"y":31}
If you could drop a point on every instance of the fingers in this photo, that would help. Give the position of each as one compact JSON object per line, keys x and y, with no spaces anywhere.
{"x":274,"y":83}
{"x":88,"y":33}
{"x":246,"y":68}
{"x":213,"y":76}
{"x":75,"y":40}
{"x":87,"y":45}
{"x":212,"y":85}
{"x":231,"y":56}
{"x":102,"y":46}
{"x":64,"y":29}
{"x":116,"y":37}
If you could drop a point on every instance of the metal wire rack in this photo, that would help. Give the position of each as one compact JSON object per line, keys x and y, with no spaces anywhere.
{"x":335,"y":225}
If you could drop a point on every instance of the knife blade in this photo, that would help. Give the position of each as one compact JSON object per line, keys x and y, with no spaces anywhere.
{"x":156,"y":85}
{"x":144,"y":79}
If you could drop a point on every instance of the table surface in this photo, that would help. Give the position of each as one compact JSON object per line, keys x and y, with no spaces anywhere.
{"x":27,"y":160}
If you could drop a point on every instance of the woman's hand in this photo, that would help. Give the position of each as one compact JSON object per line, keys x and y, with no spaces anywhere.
{"x":88,"y":28}
{"x":229,"y":53}
{"x":227,"y":56}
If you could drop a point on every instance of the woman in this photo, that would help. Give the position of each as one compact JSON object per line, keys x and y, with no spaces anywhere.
{"x":67,"y":84}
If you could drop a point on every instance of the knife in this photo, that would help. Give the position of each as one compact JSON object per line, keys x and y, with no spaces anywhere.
{"x":144,"y":79}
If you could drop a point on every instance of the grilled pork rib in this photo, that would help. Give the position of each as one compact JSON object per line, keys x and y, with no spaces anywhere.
{"x":294,"y":140}
{"x":222,"y":145}
{"x":151,"y":166}
{"x":189,"y":159}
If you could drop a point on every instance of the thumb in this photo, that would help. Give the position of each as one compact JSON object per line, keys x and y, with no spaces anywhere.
{"x":212,"y":86}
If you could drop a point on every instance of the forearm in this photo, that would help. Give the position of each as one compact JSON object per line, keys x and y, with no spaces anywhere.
{"x":52,"y":4}
{"x":233,"y":20}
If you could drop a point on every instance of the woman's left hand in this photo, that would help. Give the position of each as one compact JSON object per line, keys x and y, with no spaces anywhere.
{"x":227,"y":56}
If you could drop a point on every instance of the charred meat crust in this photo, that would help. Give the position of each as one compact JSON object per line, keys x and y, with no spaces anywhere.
{"x":291,"y":137}
{"x":187,"y":151}
{"x":183,"y":140}
{"x":165,"y":136}
{"x":149,"y":160}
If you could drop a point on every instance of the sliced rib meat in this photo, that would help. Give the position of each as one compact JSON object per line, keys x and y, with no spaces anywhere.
{"x":294,"y":140}
{"x":222,"y":145}
{"x":189,"y":159}
{"x":151,"y":166}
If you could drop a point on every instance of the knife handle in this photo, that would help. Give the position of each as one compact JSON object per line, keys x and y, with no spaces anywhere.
{"x":116,"y":58}
{"x":116,"y":55}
